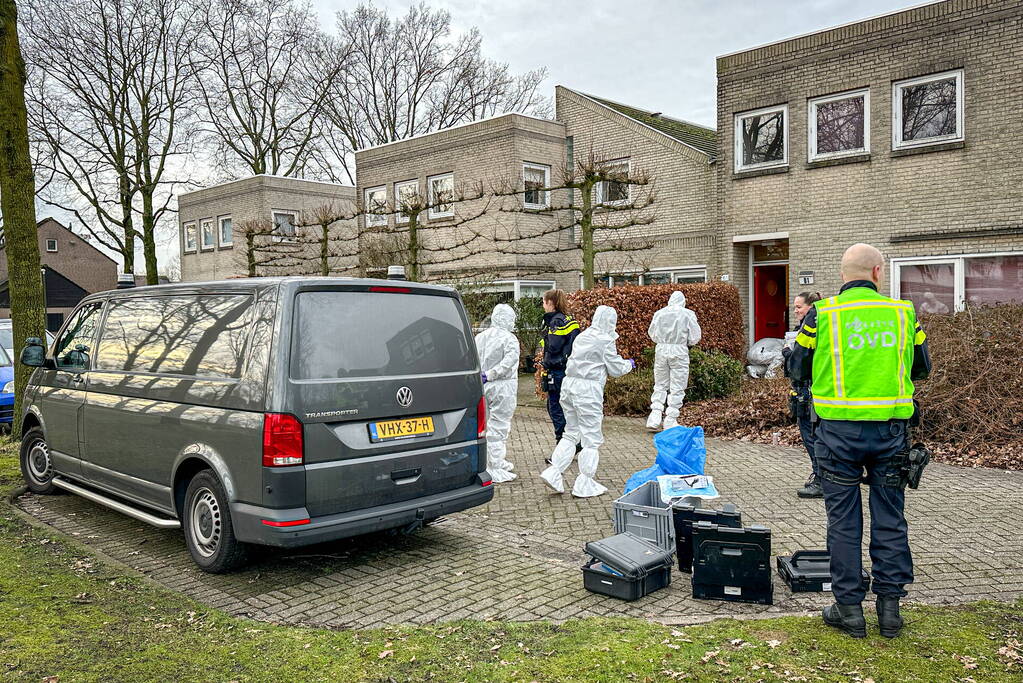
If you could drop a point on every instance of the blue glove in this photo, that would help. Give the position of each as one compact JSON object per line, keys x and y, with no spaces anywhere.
{"x":483,"y":376}
{"x":632,"y":363}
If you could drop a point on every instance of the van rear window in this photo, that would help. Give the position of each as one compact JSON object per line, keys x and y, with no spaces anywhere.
{"x":372,"y":334}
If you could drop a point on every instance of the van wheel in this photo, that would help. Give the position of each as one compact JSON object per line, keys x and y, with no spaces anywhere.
{"x":36,"y":463}
{"x":206,"y":521}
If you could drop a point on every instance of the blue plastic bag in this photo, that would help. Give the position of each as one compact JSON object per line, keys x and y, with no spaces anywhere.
{"x":680,"y":450}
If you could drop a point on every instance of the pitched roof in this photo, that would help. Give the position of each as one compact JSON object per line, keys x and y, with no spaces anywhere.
{"x":700,"y":137}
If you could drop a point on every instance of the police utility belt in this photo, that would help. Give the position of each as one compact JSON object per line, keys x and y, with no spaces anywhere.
{"x":905,"y":468}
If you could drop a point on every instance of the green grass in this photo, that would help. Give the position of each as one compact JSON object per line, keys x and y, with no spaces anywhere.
{"x":66,"y":614}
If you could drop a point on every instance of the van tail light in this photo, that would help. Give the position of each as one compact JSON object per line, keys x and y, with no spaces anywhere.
{"x":481,"y":418}
{"x":290,"y":522}
{"x":391,"y":290}
{"x":282,"y":440}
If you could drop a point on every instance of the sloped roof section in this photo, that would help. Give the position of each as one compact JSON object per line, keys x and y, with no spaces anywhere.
{"x":700,"y":137}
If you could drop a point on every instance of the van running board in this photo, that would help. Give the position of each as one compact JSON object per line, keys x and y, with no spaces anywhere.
{"x":123,"y":508}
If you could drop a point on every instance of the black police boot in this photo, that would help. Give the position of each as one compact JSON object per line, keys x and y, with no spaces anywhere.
{"x":848,"y":618}
{"x":812,"y":488}
{"x":889,"y":621}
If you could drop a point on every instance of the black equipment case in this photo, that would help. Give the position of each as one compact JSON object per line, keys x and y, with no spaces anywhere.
{"x":732,"y":564}
{"x":626,"y":566}
{"x":809,"y":571}
{"x":685,"y":515}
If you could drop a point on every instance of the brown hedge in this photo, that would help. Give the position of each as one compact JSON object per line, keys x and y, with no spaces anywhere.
{"x":716,"y":305}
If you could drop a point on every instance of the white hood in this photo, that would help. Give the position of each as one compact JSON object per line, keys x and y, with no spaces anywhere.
{"x":503,"y":317}
{"x":677,"y":300}
{"x":605,"y":320}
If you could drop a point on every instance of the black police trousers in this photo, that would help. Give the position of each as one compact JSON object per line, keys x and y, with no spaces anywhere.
{"x":553,"y":381}
{"x":844,"y":449}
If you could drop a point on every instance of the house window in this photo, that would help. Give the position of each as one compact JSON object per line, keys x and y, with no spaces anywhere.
{"x":190,"y":238}
{"x":518,"y":289}
{"x":375,"y":199}
{"x":284,"y":223}
{"x":536,"y":178}
{"x":226,"y":232}
{"x":51,"y":245}
{"x":406,"y":195}
{"x":669,"y":276}
{"x":839,"y":125}
{"x":613,"y":192}
{"x":206,"y":233}
{"x":944,"y":284}
{"x":442,"y":193}
{"x":928,"y":110}
{"x":761,"y":138}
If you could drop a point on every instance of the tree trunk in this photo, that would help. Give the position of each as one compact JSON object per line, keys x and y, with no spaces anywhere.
{"x":126,"y":198}
{"x":324,"y":250}
{"x":250,"y":253}
{"x":149,"y":238}
{"x":586,"y":230}
{"x":17,"y":201}
{"x":413,"y":247}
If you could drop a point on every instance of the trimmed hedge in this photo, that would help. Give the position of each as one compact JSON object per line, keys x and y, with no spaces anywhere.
{"x":711,"y":375}
{"x":716,"y":305}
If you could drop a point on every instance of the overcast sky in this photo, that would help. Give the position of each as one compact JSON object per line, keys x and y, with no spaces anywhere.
{"x":653,"y":54}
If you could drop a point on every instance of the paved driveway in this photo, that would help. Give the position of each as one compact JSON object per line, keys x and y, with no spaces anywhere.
{"x":518,"y":558}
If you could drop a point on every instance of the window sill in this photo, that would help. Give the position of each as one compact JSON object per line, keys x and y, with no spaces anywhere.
{"x":757,"y":172}
{"x":838,"y":161}
{"x":925,"y":149}
{"x":225,"y":247}
{"x":206,"y":249}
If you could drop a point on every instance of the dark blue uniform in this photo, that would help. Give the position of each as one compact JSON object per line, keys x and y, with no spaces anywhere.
{"x":560,"y":331}
{"x":844,"y":449}
{"x":801,"y":399}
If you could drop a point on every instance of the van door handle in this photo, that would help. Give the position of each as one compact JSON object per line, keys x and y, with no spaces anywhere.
{"x":406,"y":476}
{"x":77,"y":379}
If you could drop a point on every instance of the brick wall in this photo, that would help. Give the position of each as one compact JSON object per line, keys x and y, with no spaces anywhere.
{"x":973,"y":187}
{"x":254,"y":198}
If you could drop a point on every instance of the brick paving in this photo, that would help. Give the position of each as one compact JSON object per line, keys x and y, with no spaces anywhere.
{"x":518,"y":558}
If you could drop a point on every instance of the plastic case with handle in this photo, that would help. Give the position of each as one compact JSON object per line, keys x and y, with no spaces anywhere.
{"x":626,"y":566}
{"x":732,"y":564}
{"x":809,"y":571}
{"x":685,"y":513}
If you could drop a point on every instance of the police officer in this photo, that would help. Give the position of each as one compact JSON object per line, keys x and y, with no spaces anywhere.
{"x":799,"y":402}
{"x":560,"y":330}
{"x":862,"y":352}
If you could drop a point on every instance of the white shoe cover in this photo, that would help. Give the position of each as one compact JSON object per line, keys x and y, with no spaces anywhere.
{"x":500,"y":476}
{"x":552,"y":477}
{"x":653,"y":423}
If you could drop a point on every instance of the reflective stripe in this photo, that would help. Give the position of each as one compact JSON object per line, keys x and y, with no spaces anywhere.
{"x":920,"y":337}
{"x":806,"y":341}
{"x":902,"y":351}
{"x":863,"y":402}
{"x":865,"y":303}
{"x":836,"y":351}
{"x":810,"y":329}
{"x":567,"y":329}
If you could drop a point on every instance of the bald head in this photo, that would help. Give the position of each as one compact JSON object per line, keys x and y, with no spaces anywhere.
{"x":862,"y":262}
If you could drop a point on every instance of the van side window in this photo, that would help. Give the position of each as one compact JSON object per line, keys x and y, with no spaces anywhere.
{"x":80,"y":330}
{"x":199,"y":336}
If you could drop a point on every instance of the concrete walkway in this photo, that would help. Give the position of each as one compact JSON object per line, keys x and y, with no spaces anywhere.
{"x":519,"y":557}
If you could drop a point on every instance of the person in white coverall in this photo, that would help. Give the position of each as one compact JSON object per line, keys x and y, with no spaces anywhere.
{"x":674,"y":329}
{"x":498,"y":350}
{"x":594,"y":358}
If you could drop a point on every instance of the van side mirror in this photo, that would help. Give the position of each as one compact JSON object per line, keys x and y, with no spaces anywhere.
{"x":34,"y":353}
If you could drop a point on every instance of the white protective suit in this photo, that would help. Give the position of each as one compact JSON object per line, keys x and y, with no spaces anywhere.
{"x":674,"y":329}
{"x":498,"y":348}
{"x":594,"y":357}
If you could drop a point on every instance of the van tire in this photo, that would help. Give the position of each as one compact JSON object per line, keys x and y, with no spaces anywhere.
{"x":36,"y":463}
{"x":206,"y":521}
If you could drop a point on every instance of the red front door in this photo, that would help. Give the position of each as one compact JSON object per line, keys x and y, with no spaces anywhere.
{"x":770,"y":301}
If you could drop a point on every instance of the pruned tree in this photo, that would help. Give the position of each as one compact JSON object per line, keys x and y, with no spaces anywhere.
{"x":409,"y":75}
{"x":602,"y":202}
{"x":111,"y":102}
{"x":267,"y":72}
{"x":17,"y":201}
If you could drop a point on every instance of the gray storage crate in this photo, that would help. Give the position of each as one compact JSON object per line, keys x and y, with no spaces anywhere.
{"x":643,"y":513}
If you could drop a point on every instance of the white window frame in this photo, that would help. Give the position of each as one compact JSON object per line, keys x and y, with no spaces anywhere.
{"x":220,"y":231}
{"x":958,"y":262}
{"x":546,"y":194}
{"x":185,"y":229}
{"x":601,"y":187}
{"x":674,"y":272}
{"x":399,"y":217}
{"x":737,"y":138}
{"x":374,"y":220}
{"x":48,"y":242}
{"x":960,"y":134}
{"x":283,"y":236}
{"x":516,"y":286}
{"x":203,"y":225}
{"x":811,"y":125}
{"x":433,"y":212}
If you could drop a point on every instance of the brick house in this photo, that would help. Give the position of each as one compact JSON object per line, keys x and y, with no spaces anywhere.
{"x":211,"y":220}
{"x":72,"y":269}
{"x":898,"y":131}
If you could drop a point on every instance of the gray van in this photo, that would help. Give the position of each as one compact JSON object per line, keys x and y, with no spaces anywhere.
{"x":271,"y":411}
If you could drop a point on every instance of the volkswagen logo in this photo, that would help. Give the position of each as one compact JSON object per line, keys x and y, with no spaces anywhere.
{"x":404,"y":397}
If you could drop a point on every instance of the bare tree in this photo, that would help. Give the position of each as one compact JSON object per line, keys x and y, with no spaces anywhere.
{"x":408,"y":76}
{"x":110,"y":93}
{"x":603,"y":203}
{"x":267,"y":70}
{"x":17,"y":201}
